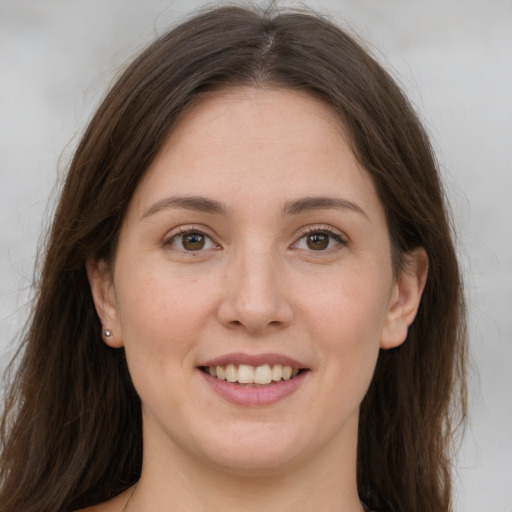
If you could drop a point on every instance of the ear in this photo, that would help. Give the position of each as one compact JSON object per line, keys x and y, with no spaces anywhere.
{"x":405,"y":298}
{"x":103,"y":294}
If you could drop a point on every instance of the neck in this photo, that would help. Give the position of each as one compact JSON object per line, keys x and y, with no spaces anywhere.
{"x":176,"y":481}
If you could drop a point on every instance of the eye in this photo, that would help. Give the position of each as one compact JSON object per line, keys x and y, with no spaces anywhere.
{"x":191,"y":240}
{"x":319,"y":240}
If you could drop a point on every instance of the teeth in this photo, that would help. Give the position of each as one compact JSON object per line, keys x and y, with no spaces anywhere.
{"x":221,"y":374}
{"x":277,"y":372}
{"x":247,"y":374}
{"x":263,"y":374}
{"x":231,"y":373}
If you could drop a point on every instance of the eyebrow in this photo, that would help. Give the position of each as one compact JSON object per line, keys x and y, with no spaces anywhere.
{"x":303,"y":205}
{"x":308,"y":204}
{"x":196,"y":203}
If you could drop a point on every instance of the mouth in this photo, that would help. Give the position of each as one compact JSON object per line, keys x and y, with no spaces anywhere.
{"x":254,"y":380}
{"x":252,"y":376}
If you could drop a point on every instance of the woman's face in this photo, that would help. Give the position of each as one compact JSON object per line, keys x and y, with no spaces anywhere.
{"x":256,"y":247}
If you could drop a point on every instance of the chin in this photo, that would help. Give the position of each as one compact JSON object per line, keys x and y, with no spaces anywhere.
{"x":255,"y":451}
{"x":254,"y":463}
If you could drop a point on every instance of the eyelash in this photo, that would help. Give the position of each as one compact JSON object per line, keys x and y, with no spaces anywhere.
{"x":188,"y":231}
{"x":322,"y":230}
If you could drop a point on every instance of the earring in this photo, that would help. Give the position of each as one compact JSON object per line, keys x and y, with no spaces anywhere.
{"x":107,"y":333}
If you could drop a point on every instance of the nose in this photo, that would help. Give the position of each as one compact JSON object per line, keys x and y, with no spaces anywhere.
{"x":254,"y":297}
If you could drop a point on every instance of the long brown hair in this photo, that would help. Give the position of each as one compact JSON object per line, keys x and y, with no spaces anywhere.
{"x":71,"y":427}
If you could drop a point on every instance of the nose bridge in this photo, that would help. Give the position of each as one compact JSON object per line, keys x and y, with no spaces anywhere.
{"x":255,"y":297}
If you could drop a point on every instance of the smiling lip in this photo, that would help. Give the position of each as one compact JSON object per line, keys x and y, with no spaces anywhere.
{"x":254,"y":396}
{"x":251,"y":396}
{"x":254,"y":360}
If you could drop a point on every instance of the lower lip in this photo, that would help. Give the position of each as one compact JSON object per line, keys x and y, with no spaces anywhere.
{"x":249,"y":396}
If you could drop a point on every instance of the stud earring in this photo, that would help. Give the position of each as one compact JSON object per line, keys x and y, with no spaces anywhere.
{"x":107,"y":333}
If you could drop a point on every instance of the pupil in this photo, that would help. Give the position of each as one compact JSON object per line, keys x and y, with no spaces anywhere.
{"x":318,"y":241}
{"x":193,"y":241}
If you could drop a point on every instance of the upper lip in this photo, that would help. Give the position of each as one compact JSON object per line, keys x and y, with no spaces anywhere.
{"x":254,"y":360}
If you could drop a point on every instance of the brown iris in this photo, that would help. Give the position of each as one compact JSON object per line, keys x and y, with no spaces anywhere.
{"x":193,"y":241}
{"x":317,"y":241}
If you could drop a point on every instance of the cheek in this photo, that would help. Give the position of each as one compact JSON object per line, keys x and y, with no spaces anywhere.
{"x":346,"y":320}
{"x":160,"y":324}
{"x":160,"y":313}
{"x":349,"y":307}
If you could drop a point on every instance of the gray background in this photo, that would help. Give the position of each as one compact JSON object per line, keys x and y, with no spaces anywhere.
{"x":454,"y":58}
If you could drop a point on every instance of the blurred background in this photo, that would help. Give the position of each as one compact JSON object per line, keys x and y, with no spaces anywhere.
{"x":453,"y":58}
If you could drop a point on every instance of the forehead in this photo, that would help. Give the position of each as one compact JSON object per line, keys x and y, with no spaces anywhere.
{"x":263,"y":142}
{"x":269,"y":110}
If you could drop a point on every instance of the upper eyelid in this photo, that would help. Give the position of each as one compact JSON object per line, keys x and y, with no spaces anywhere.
{"x":192,"y":228}
{"x":341,"y":239}
{"x":306,"y":230}
{"x":173,"y":236}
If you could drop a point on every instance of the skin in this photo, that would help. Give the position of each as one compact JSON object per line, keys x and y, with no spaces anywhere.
{"x":255,"y":287}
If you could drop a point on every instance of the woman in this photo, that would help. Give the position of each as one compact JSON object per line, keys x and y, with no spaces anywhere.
{"x":250,"y":298}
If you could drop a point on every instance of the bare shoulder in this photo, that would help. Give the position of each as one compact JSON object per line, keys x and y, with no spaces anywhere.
{"x":116,"y":504}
